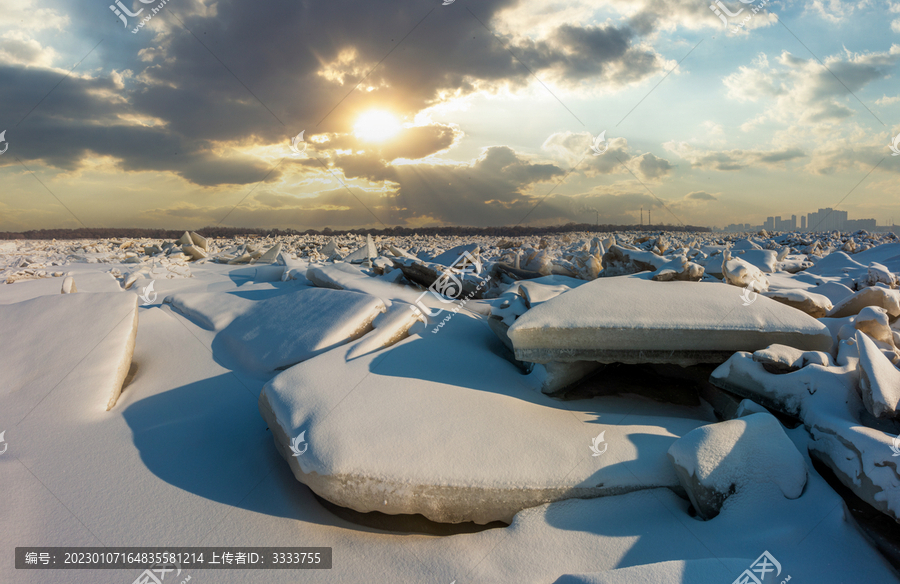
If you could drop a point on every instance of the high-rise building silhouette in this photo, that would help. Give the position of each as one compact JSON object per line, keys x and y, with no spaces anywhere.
{"x":826,"y":219}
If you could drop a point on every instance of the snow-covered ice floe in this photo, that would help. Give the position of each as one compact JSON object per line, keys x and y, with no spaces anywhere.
{"x":275,"y":333}
{"x":49,"y":339}
{"x":632,"y":320}
{"x":722,"y":460}
{"x":443,"y":426}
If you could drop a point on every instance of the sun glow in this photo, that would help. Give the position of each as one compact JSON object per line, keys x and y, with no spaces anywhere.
{"x":376,"y":126}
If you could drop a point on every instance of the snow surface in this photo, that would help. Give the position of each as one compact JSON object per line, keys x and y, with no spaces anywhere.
{"x":703,"y":571}
{"x":183,"y":457}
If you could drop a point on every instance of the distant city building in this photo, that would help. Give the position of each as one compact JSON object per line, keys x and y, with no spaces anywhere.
{"x":826,"y":219}
{"x":778,"y":224}
{"x":857,"y":224}
{"x":741,"y":227}
{"x":786,"y":224}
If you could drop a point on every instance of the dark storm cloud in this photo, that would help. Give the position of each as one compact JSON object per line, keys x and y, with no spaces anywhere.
{"x":487,"y":192}
{"x":279,"y":52}
{"x":83,"y":118}
{"x":259,"y":74}
{"x":490,"y":191}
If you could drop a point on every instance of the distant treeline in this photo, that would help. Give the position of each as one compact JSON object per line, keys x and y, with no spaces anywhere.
{"x":517,"y":231}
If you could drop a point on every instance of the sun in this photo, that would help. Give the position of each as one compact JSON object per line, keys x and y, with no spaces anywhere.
{"x":376,"y":126}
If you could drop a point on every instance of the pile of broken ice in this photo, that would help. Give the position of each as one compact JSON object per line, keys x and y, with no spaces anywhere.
{"x":412,"y":401}
{"x":805,"y":331}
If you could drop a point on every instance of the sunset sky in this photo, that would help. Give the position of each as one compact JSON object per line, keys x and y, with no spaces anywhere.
{"x":464,"y":114}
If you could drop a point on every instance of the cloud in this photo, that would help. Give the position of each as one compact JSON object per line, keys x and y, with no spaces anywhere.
{"x":26,"y":16}
{"x":653,"y":167}
{"x":834,"y":10}
{"x":16,"y":48}
{"x":801,"y":91}
{"x":496,"y":188}
{"x":735,"y":159}
{"x":859,"y":155}
{"x":602,"y":52}
{"x":619,"y":203}
{"x":752,"y":83}
{"x":171,"y":107}
{"x":575,"y":148}
{"x":157,"y":108}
